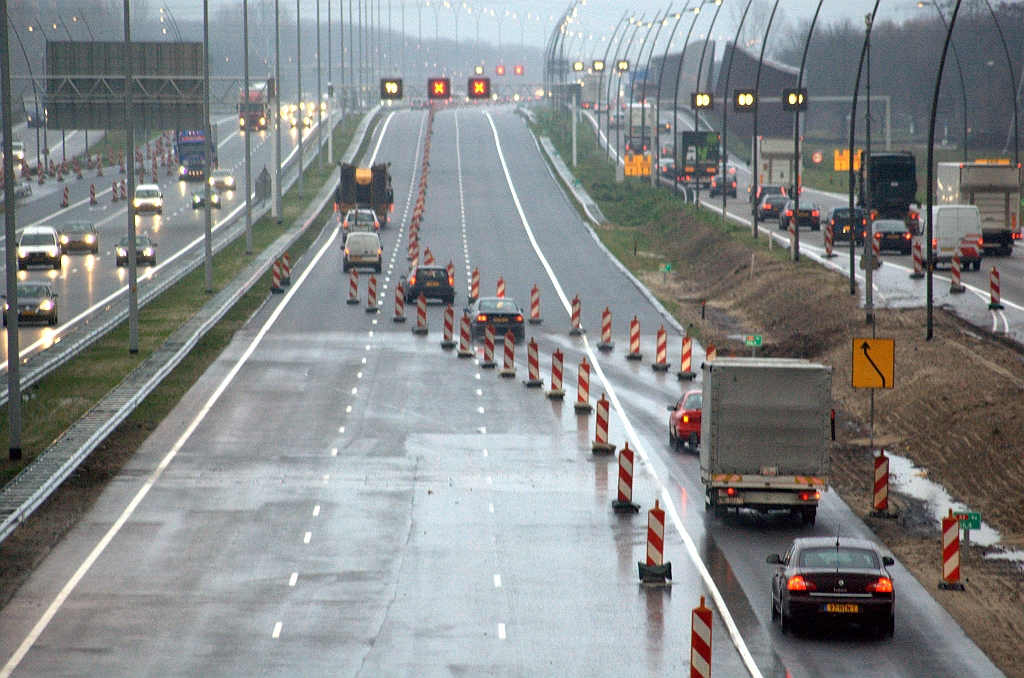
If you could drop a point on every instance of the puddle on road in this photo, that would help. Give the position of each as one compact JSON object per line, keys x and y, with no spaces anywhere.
{"x":908,"y":479}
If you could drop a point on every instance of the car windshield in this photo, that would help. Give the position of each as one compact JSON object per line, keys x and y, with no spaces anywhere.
{"x":147,"y":193}
{"x":140,"y":241}
{"x":36,"y":239}
{"x":221,"y":174}
{"x":693,"y":401}
{"x":432,"y":274}
{"x":78,"y":227}
{"x":890,"y":226}
{"x":841,"y":558}
{"x":498,"y":306}
{"x":33,"y":291}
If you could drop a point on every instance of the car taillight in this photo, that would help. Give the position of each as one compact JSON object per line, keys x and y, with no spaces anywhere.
{"x":727,"y":491}
{"x":815,"y":213}
{"x":346,"y":251}
{"x":519,"y":318}
{"x":798,"y":583}
{"x":812,"y":495}
{"x":789,"y":213}
{"x":878,"y":236}
{"x":686,"y":419}
{"x":481,"y":318}
{"x":906,"y":236}
{"x":412,"y":281}
{"x":451,"y":281}
{"x":981,"y":241}
{"x":935,"y":242}
{"x":883,"y":585}
{"x":863,"y":222}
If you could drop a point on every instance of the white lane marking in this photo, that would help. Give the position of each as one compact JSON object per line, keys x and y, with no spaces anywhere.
{"x":691,"y":548}
{"x":462,"y":203}
{"x":497,"y":581}
{"x":277,"y":630}
{"x":364,"y":361}
{"x":294,"y":578}
{"x":340,"y":430}
{"x":316,"y":510}
{"x":348,"y":409}
{"x":479,"y":392}
{"x":334,"y":451}
{"x":327,"y":476}
{"x":380,"y":139}
{"x":307,"y":537}
{"x":501,"y":632}
{"x":354,"y":390}
{"x":359,"y":375}
{"x":485,"y":453}
{"x":490,"y":507}
{"x":480,"y":410}
{"x":86,"y":565}
{"x":489,"y":481}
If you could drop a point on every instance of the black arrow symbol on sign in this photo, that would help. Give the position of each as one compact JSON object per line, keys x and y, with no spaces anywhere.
{"x":866,"y":347}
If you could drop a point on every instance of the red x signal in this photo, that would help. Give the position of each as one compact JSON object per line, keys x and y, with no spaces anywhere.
{"x":439,"y":88}
{"x":479,"y":88}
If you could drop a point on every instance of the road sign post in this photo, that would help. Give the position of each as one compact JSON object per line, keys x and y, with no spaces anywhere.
{"x":873,"y":367}
{"x":753,"y":341}
{"x":969,"y":520}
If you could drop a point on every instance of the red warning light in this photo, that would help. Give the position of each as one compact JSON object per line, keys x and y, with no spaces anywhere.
{"x":439,"y":88}
{"x":500,"y":69}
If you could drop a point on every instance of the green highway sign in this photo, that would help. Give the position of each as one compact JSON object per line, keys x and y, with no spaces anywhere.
{"x":969,"y":520}
{"x":665,"y":268}
{"x":753,"y":339}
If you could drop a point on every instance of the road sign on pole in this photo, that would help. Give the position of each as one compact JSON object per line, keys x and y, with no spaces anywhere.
{"x":873,"y":362}
{"x":753,"y":340}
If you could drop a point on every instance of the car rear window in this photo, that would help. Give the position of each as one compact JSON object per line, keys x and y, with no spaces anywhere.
{"x":840,"y":558}
{"x":498,"y":306}
{"x":693,"y":401}
{"x":363,"y":239}
{"x":886,"y":226}
{"x":432,"y":274}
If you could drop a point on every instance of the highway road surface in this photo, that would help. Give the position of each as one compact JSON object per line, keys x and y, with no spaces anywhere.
{"x":337,"y":495}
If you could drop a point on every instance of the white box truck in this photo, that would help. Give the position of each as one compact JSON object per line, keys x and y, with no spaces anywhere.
{"x":775,"y":161}
{"x":766,"y":427}
{"x":993,"y":187}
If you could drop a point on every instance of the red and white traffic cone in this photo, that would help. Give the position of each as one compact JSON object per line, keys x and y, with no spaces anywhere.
{"x":64,"y":200}
{"x":918,"y":262}
{"x":634,"y":340}
{"x":994,"y":304}
{"x":951,"y":554}
{"x":465,"y":340}
{"x":955,"y":286}
{"x":353,"y":287}
{"x":88,"y":161}
{"x":40,"y":172}
{"x":601,"y":443}
{"x":661,"y":353}
{"x":448,"y":342}
{"x":421,"y":316}
{"x":500,"y":292}
{"x":113,"y":193}
{"x":154,"y":170}
{"x":99,"y":165}
{"x":829,"y":237}
{"x":685,"y":372}
{"x":488,"y":361}
{"x":876,"y":251}
{"x":582,"y":403}
{"x":655,"y":570}
{"x":399,"y":303}
{"x":92,"y":194}
{"x":710,"y":354}
{"x":286,"y":269}
{"x":533,"y":363}
{"x":556,"y":392}
{"x":700,"y":642}
{"x":535,"y":318}
{"x":880,"y":502}
{"x":78,"y":169}
{"x":414,"y":249}
{"x":371,"y":295}
{"x":124,"y":189}
{"x":474,"y":285}
{"x":624,"y":502}
{"x":60,"y":174}
{"x":575,"y":329}
{"x":121,"y":163}
{"x":275,"y":287}
{"x":451,"y":270}
{"x":428,"y":257}
{"x":508,"y":367}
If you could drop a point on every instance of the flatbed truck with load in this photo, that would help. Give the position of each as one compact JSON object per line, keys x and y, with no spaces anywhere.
{"x":766,"y":427}
{"x":366,"y":187}
{"x":994,"y":188}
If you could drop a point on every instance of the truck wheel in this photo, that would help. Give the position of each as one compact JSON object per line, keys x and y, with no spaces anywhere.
{"x":809,"y":515}
{"x":693,"y":443}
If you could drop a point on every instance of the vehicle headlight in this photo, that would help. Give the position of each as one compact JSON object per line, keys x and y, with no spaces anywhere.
{"x":263,"y":121}
{"x":215,"y":199}
{"x":21,"y":253}
{"x":64,"y":240}
{"x":182,"y":170}
{"x":46,"y":305}
{"x":121,"y":252}
{"x":230,"y":181}
{"x":196,"y":199}
{"x":53,"y":251}
{"x":136,"y":202}
{"x":159,"y":202}
{"x":241,"y":122}
{"x":148,"y":252}
{"x":90,"y":238}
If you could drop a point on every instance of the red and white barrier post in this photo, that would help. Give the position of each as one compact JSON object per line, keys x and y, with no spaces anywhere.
{"x":535,"y":318}
{"x":474,"y":286}
{"x":448,"y":342}
{"x":685,"y":372}
{"x":880,"y":498}
{"x":634,"y":340}
{"x":951,"y":554}
{"x":710,"y":354}
{"x":876,"y":252}
{"x":655,"y":570}
{"x":575,"y":329}
{"x":661,"y":353}
{"x":414,"y":248}
{"x":508,"y":367}
{"x":286,"y":269}
{"x":465,"y":340}
{"x":918,"y":262}
{"x":64,"y":200}
{"x":624,"y":502}
{"x":399,"y":303}
{"x":124,"y":189}
{"x":92,"y":194}
{"x":533,"y":362}
{"x":601,"y":443}
{"x":353,"y":287}
{"x":582,"y":404}
{"x":500,"y":292}
{"x":556,"y":392}
{"x":955,"y":286}
{"x":275,"y":286}
{"x":700,"y":641}
{"x":113,"y":192}
{"x":606,"y":343}
{"x":994,"y":304}
{"x":421,"y":316}
{"x":428,"y":257}
{"x":829,"y":240}
{"x":488,"y":362}
{"x":450,"y":268}
{"x":371,"y":295}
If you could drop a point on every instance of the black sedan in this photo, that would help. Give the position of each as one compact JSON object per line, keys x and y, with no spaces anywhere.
{"x":843,"y":581}
{"x":770,"y":206}
{"x":842,"y":224}
{"x":36,"y":301}
{"x":502,"y":313}
{"x":433,"y":282}
{"x":79,"y":236}
{"x":892,"y":236}
{"x":145,"y":251}
{"x":806,"y":216}
{"x":199,"y":200}
{"x":726,"y":184}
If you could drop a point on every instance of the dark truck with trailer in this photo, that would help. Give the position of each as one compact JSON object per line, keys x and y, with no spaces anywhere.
{"x":190,"y":147}
{"x":893,"y":184}
{"x":366,"y":187}
{"x":697,"y":156}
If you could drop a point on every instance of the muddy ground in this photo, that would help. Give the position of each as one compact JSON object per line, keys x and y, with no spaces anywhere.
{"x":955,"y":409}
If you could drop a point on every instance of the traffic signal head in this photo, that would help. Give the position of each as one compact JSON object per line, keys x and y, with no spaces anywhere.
{"x":702,"y":100}
{"x":439,"y":88}
{"x":622,"y":65}
{"x":479,"y":88}
{"x":577,"y":66}
{"x":479,"y":70}
{"x":743,"y":100}
{"x":518,"y":70}
{"x":390,"y":88}
{"x":598,"y":66}
{"x":794,"y":99}
{"x":500,"y":69}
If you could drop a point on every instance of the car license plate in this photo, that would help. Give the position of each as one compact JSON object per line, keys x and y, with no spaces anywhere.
{"x":499,"y":319}
{"x":842,"y":608}
{"x":433,"y":284}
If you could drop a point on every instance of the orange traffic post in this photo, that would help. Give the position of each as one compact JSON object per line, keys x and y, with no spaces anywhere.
{"x":655,"y":570}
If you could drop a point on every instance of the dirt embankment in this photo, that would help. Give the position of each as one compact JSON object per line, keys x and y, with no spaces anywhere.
{"x":954,"y":410}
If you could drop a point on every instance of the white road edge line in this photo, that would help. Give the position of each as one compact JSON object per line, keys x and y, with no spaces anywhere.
{"x":383,"y":131}
{"x":84,"y":568}
{"x":691,"y":548}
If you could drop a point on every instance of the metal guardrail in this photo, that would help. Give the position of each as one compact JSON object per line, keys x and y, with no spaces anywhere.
{"x":47,"y":471}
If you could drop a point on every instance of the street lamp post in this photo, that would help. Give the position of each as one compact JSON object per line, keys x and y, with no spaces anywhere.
{"x":797,"y":156}
{"x":298,"y":78}
{"x":600,"y":79}
{"x":319,"y":92}
{"x":208,"y":140}
{"x":700,"y":71}
{"x":755,"y":181}
{"x":277,"y":111}
{"x":725,"y":110}
{"x":661,"y":78}
{"x":675,"y":94}
{"x":959,"y":69}
{"x":248,"y":132}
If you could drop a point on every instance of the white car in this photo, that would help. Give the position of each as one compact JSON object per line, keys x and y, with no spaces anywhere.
{"x":39,"y":245}
{"x":149,"y":198}
{"x":18,"y":150}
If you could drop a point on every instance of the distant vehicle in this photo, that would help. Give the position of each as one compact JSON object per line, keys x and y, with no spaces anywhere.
{"x":776,"y":158}
{"x":36,"y":301}
{"x":431,"y":281}
{"x":833,"y":580}
{"x":79,"y":236}
{"x":684,"y":422}
{"x":18,"y":150}
{"x":190,"y":147}
{"x":502,"y":313}
{"x":726,"y":184}
{"x":39,"y":245}
{"x":35,"y":114}
{"x":667,"y":168}
{"x":893,"y":183}
{"x":23,"y":189}
{"x":149,"y":198}
{"x":994,"y":187}
{"x":253,"y":110}
{"x":222,"y":180}
{"x":770,"y":206}
{"x":807,"y":216}
{"x":957,"y":227}
{"x":843,"y":224}
{"x":145,"y":251}
{"x":199,"y":200}
{"x":697,"y":155}
{"x":360,"y":220}
{"x":892,"y":236}
{"x":362,"y":250}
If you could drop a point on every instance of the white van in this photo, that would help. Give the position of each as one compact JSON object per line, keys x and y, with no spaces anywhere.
{"x":957,"y":227}
{"x":363,"y":250}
